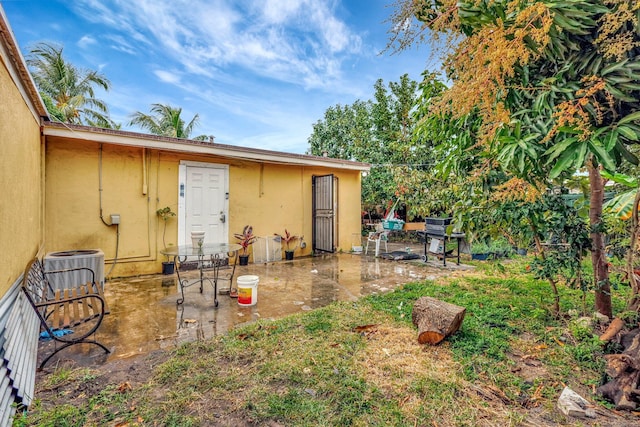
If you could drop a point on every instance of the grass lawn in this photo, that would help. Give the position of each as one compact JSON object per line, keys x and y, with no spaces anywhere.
{"x":360,"y":364}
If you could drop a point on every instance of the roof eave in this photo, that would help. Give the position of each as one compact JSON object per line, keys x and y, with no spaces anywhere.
{"x":18,"y":70}
{"x":133,"y":139}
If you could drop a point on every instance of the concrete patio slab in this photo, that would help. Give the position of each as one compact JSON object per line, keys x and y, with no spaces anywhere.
{"x":145,"y":317}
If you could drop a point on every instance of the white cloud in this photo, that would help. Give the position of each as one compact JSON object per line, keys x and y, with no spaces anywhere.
{"x":167,"y":76}
{"x":86,"y":41}
{"x":279,"y":11}
{"x":105,"y":12}
{"x":333,"y":31}
{"x":296,"y":41}
{"x":121,"y":44}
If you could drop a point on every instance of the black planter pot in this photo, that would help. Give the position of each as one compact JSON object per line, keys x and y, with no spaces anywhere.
{"x":288,"y":255}
{"x":168,"y":267}
{"x":244,"y":259}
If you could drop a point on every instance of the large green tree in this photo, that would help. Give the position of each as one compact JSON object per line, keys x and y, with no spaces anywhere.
{"x":344,"y":132}
{"x":378,"y":131}
{"x":423,"y":186}
{"x":68,"y":91}
{"x":556,"y":86}
{"x":166,"y":120}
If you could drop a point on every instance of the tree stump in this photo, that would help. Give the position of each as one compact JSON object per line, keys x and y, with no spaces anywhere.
{"x":623,"y":371}
{"x":436,"y":319}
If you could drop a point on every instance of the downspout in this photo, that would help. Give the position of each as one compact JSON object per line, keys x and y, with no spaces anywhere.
{"x":303,"y":244}
{"x":144,"y":172}
{"x":100,"y":186}
{"x":43,"y":193}
{"x":261,"y":183}
{"x":115,"y":259}
{"x":146,"y":165}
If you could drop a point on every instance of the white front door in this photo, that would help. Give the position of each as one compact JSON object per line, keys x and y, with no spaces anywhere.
{"x":203,"y":204}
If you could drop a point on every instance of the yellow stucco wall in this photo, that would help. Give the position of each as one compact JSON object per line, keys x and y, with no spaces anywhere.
{"x":74,"y":199}
{"x":21,"y":224}
{"x":279,"y":197}
{"x":267,"y":196}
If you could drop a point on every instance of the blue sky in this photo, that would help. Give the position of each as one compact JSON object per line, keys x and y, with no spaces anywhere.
{"x":258,"y":72}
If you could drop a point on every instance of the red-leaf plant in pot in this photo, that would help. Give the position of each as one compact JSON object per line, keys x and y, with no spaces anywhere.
{"x":288,"y":238}
{"x":245,"y":239}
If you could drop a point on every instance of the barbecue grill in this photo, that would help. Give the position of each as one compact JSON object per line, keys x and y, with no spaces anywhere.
{"x":436,"y":229}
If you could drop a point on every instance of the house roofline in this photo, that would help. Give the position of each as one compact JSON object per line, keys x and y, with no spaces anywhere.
{"x":134,"y":139}
{"x":19,"y":72}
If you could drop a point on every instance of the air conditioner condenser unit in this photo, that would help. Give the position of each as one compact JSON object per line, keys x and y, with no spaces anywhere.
{"x":62,"y":260}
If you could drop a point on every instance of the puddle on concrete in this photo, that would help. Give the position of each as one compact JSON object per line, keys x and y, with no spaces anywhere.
{"x":145,"y":317}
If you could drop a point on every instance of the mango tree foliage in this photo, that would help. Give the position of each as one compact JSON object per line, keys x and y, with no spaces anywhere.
{"x":556,"y":86}
{"x":422,"y":186}
{"x":621,"y":206}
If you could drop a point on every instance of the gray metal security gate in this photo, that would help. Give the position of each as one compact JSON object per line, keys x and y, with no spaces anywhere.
{"x":324,"y":213}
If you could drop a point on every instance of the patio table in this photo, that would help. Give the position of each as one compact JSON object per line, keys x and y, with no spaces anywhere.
{"x":215,"y":253}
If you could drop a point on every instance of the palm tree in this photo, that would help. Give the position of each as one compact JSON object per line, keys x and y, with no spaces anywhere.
{"x":68,"y":88}
{"x":165,"y":120}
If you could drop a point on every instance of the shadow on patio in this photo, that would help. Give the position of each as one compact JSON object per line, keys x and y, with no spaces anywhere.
{"x":145,"y":317}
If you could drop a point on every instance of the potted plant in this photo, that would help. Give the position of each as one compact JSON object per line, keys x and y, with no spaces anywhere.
{"x":288,"y":238}
{"x":523,"y":241}
{"x":479,"y":250}
{"x":245,"y":239}
{"x":166,"y":214}
{"x":501,"y":248}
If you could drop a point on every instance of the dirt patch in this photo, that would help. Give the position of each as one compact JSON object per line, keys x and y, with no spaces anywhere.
{"x":528,"y":367}
{"x":66,"y":381}
{"x":395,"y":362}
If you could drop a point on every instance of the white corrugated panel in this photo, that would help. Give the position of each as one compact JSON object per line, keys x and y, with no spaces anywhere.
{"x":19,"y":329}
{"x":267,"y":249}
{"x":7,"y":399}
{"x":22,"y":348}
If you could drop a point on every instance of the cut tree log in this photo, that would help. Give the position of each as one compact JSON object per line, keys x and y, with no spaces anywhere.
{"x":615,"y":326}
{"x":436,"y":319}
